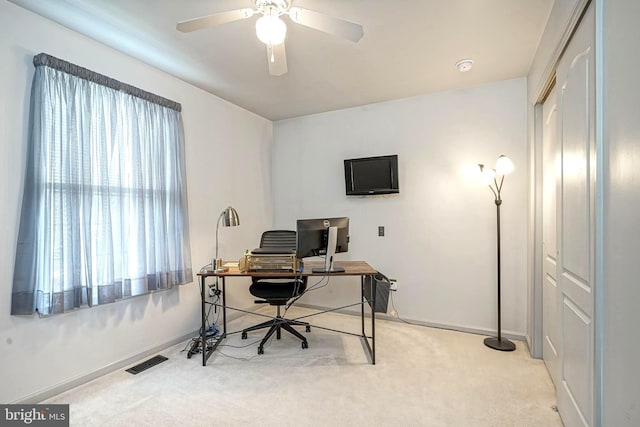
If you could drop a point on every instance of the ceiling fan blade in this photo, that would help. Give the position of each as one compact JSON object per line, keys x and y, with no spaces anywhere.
{"x":213,"y":20}
{"x":277,"y":58}
{"x":328,"y":24}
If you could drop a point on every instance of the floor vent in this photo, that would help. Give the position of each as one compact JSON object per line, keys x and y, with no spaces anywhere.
{"x":147,"y":364}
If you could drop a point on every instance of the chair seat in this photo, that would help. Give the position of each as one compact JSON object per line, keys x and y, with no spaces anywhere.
{"x":277,"y":293}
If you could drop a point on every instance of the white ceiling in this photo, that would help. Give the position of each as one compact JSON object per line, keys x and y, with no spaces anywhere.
{"x":409,"y":47}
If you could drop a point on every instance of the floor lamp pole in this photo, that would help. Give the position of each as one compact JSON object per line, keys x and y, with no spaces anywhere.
{"x":499,"y":343}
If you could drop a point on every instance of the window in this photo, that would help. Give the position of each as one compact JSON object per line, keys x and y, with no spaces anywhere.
{"x":104,"y":213}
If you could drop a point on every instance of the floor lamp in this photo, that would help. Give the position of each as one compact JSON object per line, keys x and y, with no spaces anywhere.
{"x":494,"y":178}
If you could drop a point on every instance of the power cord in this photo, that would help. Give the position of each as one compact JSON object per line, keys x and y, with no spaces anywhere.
{"x":212,"y":331}
{"x":244,"y":359}
{"x":207,"y":268}
{"x":313,"y":287}
{"x":394,"y":312}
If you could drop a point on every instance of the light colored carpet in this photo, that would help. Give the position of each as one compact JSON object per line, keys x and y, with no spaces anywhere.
{"x":422,"y":377}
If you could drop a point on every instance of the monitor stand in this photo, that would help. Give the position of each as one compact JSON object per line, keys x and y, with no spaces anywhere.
{"x":332,"y":239}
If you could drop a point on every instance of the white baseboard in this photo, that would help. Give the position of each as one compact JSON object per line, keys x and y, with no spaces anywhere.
{"x":52,"y":391}
{"x":478,"y":331}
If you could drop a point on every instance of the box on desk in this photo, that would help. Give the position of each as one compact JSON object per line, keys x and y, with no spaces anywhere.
{"x":262,"y":260}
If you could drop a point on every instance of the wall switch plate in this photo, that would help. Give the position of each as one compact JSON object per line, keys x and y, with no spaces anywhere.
{"x":381,"y":230}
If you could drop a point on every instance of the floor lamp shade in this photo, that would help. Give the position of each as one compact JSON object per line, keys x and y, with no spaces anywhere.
{"x":494,"y":178}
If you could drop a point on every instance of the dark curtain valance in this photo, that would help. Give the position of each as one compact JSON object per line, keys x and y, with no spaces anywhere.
{"x":92,"y":76}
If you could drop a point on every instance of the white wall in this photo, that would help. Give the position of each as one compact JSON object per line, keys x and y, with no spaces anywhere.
{"x":441,"y":228}
{"x":619,"y":300}
{"x":38,"y":355}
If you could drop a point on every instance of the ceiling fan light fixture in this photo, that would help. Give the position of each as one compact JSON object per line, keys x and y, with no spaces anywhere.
{"x":271,"y":30}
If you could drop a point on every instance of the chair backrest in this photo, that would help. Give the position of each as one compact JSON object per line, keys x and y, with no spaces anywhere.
{"x":279,"y":239}
{"x":283,"y":239}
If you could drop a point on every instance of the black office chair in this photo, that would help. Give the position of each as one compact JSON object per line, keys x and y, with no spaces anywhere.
{"x":278,"y":291}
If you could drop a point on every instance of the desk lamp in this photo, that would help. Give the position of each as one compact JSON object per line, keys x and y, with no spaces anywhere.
{"x":494,"y":178}
{"x":229,"y":218}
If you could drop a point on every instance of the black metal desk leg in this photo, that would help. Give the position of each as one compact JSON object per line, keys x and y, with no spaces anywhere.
{"x":371,"y":348}
{"x":224,"y":310}
{"x":362,"y":301}
{"x":373,"y":320}
{"x":203,"y":333}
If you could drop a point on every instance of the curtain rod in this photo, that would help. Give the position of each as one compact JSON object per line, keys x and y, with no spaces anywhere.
{"x":83,"y":73}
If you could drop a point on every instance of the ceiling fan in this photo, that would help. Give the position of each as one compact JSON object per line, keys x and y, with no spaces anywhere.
{"x":271,"y":30}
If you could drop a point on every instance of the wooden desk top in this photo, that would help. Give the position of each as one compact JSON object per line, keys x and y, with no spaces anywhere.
{"x":351,"y":268}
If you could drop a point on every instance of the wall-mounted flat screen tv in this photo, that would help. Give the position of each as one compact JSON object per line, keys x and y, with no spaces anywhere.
{"x":371,"y":175}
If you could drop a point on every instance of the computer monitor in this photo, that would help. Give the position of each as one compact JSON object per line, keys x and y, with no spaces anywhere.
{"x":323,"y":236}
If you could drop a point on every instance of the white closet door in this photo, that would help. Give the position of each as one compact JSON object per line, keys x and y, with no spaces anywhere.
{"x":550,"y":290}
{"x":576,"y":224}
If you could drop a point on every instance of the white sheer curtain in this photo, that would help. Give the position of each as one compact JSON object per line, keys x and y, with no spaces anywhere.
{"x":104,"y":213}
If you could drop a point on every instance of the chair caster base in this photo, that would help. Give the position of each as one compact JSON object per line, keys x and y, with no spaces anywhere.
{"x":244,"y":335}
{"x":305,"y":344}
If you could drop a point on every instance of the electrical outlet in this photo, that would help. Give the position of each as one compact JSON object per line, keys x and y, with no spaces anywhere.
{"x":381,"y":230}
{"x":393,"y":285}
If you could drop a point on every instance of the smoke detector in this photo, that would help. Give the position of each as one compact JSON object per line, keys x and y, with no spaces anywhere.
{"x":464,"y":65}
